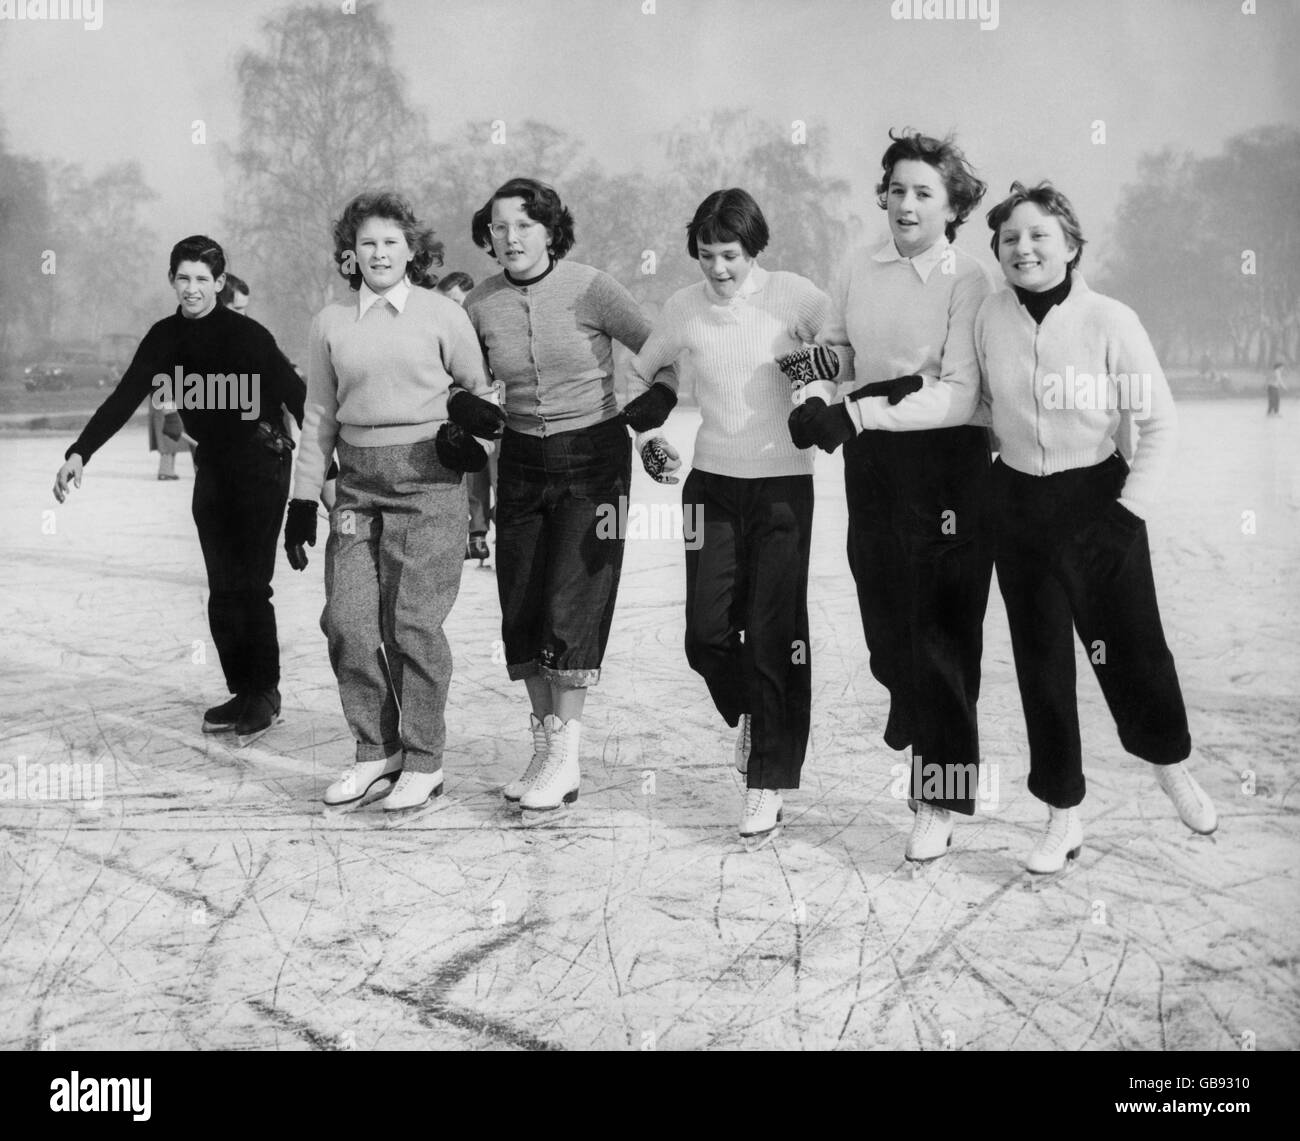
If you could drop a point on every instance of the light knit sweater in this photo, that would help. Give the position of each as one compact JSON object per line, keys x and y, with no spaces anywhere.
{"x":892,"y":316}
{"x":1067,"y":393}
{"x":549,"y":345}
{"x":382,"y":378}
{"x":730,"y":349}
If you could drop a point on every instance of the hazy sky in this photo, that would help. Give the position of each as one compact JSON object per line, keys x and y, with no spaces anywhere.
{"x":1022,"y":97}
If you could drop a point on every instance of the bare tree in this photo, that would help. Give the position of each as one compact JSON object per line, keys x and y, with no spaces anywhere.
{"x":324,"y":115}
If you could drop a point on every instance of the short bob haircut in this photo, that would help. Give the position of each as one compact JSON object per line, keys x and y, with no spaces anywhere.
{"x":197,"y":248}
{"x":728,"y":216}
{"x":541,"y":204}
{"x":1050,"y":201}
{"x":964,"y":189}
{"x":426,"y":250}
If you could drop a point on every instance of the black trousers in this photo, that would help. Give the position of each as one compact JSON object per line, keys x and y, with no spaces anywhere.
{"x":747,"y":611}
{"x":239,"y":498}
{"x":920,"y":555}
{"x":1070,"y":557}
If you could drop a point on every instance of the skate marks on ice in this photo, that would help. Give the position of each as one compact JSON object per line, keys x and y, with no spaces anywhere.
{"x":206,"y":903}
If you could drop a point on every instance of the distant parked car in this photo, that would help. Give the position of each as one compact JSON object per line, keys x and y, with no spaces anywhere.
{"x":72,"y":369}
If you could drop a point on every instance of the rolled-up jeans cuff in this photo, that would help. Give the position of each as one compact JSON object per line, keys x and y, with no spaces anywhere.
{"x":571,"y":679}
{"x":517,"y":671}
{"x":377,"y":752}
{"x":422,"y":762}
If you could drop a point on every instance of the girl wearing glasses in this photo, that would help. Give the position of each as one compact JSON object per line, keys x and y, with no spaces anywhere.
{"x":547,"y":327}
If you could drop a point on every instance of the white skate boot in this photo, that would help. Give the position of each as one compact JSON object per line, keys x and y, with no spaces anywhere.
{"x":743,"y":745}
{"x":541,"y":748}
{"x":1059,"y":845}
{"x":760,"y":818}
{"x":931,"y":834}
{"x":1195,"y":808}
{"x":413,"y":793}
{"x":364,"y":783}
{"x":557,"y":783}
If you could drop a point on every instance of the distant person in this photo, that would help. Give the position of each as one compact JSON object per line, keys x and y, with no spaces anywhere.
{"x":1207,"y":367}
{"x":167,"y":437}
{"x":1069,"y":516}
{"x":235,"y":295}
{"x":1276,"y":386}
{"x":242,"y":469}
{"x":480,"y":486}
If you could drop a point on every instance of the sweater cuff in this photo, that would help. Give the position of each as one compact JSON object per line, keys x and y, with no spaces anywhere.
{"x":865,"y":413}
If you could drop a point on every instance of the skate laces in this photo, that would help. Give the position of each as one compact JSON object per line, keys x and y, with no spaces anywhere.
{"x":1058,"y":829}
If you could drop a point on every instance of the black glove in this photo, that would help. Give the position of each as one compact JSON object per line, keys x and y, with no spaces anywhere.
{"x":813,"y":422}
{"x":649,"y":410}
{"x":172,"y":427}
{"x":806,"y":365}
{"x":896,"y":389}
{"x":458,"y":450}
{"x":299,"y":531}
{"x":477,"y":416}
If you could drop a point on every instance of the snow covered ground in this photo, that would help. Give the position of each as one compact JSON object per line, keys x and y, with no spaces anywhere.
{"x":205,"y":902}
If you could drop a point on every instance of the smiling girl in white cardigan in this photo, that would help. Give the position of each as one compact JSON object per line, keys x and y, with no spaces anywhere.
{"x":1069,"y":375}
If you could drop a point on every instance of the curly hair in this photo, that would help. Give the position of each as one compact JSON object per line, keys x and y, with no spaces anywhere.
{"x":1050,"y":201}
{"x":541,"y":203}
{"x":964,"y":189}
{"x":426,"y":250}
{"x":728,"y":216}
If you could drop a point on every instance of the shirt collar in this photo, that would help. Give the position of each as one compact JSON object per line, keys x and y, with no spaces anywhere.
{"x":396,"y":297}
{"x":752,"y":284}
{"x":923,"y":263}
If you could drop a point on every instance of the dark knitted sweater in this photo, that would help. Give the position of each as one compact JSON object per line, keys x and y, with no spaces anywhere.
{"x":222,"y":344}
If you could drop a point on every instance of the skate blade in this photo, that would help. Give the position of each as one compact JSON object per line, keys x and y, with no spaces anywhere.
{"x":247,"y":740}
{"x":535,"y":817}
{"x":1036,"y":881}
{"x":208,"y":727}
{"x":394,"y":816}
{"x":378,"y":789}
{"x":761,"y":841}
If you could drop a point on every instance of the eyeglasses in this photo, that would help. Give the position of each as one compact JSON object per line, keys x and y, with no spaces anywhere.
{"x":502,"y":229}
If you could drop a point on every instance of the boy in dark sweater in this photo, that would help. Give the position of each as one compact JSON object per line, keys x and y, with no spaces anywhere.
{"x":228,"y":380}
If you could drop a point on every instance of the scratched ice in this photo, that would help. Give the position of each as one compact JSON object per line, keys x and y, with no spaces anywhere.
{"x":207,"y":903}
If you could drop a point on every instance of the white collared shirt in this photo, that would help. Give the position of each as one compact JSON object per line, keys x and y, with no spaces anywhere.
{"x":396,"y":297}
{"x":923,"y":263}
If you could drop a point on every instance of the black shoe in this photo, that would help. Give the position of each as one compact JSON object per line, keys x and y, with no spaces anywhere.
{"x":477,"y":548}
{"x":224,"y":717}
{"x":261,"y":712}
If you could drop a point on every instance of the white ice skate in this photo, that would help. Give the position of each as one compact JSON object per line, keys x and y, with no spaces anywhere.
{"x":363,"y":784}
{"x":1195,"y":808}
{"x":557,"y":783}
{"x":931,"y":834}
{"x":1059,"y":846}
{"x":412,"y":795}
{"x":743,"y":745}
{"x":760,"y":818}
{"x":514,"y":791}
